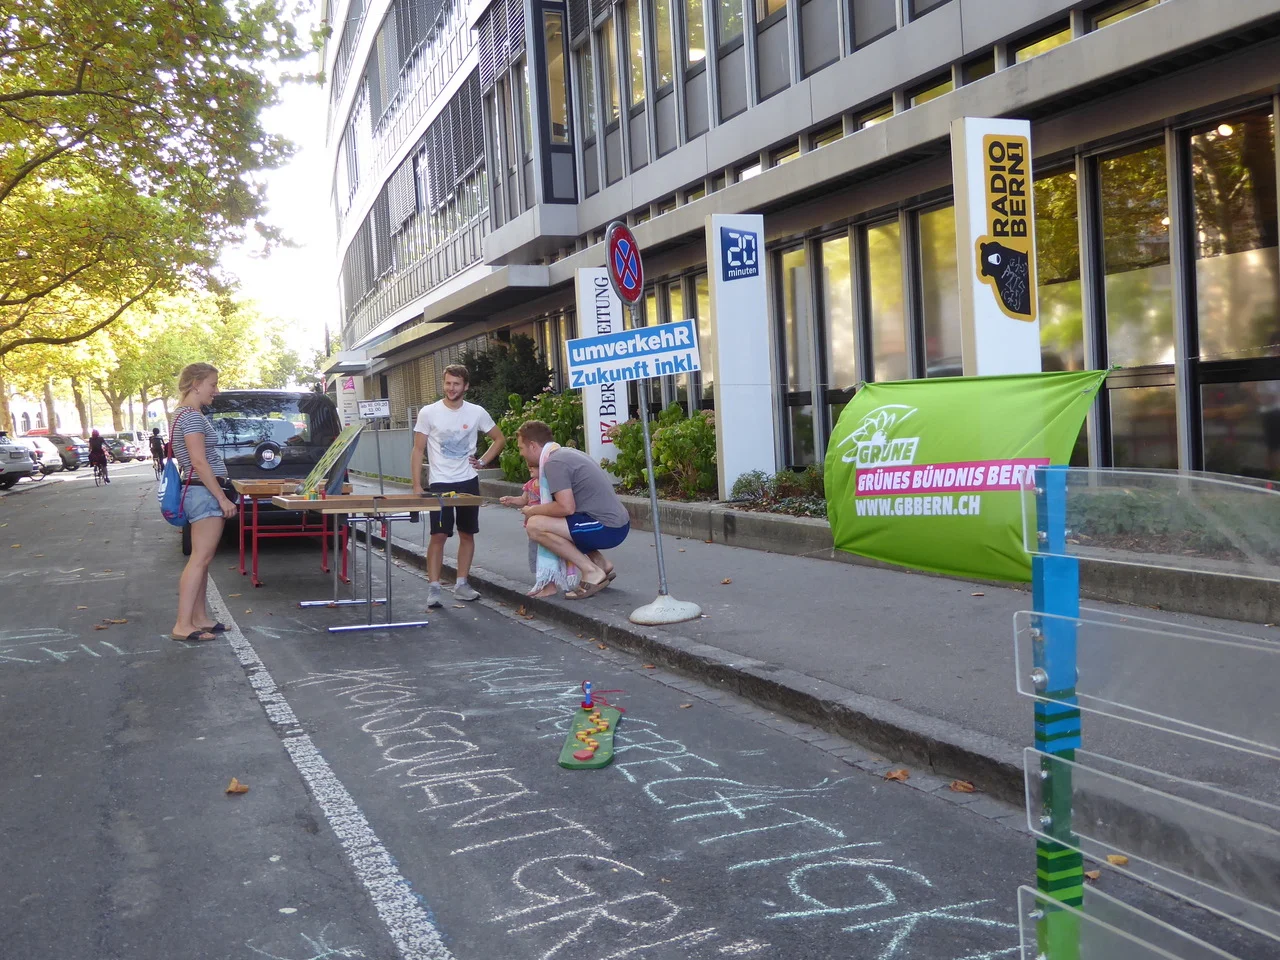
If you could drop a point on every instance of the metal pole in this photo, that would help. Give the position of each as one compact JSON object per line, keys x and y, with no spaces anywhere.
{"x":653,"y":487}
{"x":368,"y":563}
{"x":382,"y":490}
{"x":386,"y":556}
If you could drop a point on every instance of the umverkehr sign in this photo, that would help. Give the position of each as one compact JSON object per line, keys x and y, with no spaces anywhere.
{"x":638,"y":354}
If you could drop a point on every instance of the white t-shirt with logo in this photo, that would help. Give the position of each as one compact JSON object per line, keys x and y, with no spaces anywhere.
{"x":451,"y":438}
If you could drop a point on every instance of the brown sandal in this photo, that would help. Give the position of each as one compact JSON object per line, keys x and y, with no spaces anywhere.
{"x":587,"y":590}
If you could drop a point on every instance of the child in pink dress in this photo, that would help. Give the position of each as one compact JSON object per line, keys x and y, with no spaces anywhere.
{"x":530,"y":493}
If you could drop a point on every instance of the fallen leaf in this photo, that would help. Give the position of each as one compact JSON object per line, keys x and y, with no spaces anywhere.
{"x":1117,"y":859}
{"x":663,"y":880}
{"x":649,"y":666}
{"x":233,"y":594}
{"x":1092,"y":874}
{"x":685,"y":706}
{"x":727,"y":580}
{"x":977,"y":594}
{"x":107,"y":570}
{"x":682,"y":550}
{"x":235,"y":786}
{"x":708,"y":541}
{"x":16,"y":546}
{"x":459,"y":606}
{"x":521,"y":611}
{"x":601,"y":646}
{"x":101,"y":626}
{"x":82,"y":608}
{"x":89,"y":523}
{"x":109,"y":620}
{"x":962,"y":786}
{"x":37,"y":555}
{"x":900,"y":774}
{"x":250,"y":610}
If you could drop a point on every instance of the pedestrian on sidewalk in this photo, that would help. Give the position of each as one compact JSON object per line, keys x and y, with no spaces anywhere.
{"x":582,"y":517}
{"x":448,"y":430}
{"x":195,"y":447}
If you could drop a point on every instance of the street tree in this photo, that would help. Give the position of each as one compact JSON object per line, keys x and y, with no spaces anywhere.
{"x":131,"y":148}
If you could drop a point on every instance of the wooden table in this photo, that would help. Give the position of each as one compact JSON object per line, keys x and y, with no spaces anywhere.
{"x":368,"y":509}
{"x":251,"y":493}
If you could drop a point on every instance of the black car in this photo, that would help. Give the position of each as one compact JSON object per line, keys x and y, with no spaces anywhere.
{"x":270,"y":435}
{"x":73,"y":450}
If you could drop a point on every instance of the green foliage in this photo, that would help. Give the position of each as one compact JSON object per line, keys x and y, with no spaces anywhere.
{"x":562,"y":412}
{"x":801,"y":494}
{"x":684,"y":454}
{"x":130,"y":147}
{"x":502,"y":370}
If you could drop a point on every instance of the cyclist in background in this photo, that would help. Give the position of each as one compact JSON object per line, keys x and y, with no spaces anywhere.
{"x":157,"y":451}
{"x":98,"y":454}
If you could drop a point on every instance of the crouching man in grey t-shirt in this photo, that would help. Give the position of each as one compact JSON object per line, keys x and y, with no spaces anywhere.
{"x":585,"y":515}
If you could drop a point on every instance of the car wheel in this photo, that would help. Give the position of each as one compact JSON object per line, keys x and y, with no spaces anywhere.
{"x":186,"y":539}
{"x":7,"y":482}
{"x":73,"y":466}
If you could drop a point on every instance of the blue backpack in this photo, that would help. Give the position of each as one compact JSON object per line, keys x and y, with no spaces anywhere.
{"x":172,"y":494}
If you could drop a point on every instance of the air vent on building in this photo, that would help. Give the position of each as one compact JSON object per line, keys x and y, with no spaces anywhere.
{"x":579,"y":19}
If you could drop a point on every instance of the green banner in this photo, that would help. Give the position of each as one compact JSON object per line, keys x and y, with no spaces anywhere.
{"x":927,"y":473}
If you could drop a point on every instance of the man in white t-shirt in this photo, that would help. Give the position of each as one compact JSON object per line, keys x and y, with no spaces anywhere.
{"x":447,"y":430}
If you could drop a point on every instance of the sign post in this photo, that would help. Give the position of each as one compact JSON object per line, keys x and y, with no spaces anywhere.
{"x":632,"y":355}
{"x":376,"y":410}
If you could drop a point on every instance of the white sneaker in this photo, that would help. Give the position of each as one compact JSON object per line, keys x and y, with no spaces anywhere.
{"x":433,"y":596}
{"x":465,"y":591}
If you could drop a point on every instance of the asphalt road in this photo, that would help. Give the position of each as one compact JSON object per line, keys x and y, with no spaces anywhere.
{"x":404,"y":794}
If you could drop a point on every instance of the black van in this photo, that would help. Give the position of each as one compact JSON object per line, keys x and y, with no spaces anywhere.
{"x":270,"y":435}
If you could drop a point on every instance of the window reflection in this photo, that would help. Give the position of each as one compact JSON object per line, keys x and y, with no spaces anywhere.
{"x":609,"y":65}
{"x":1058,"y":273}
{"x":932,"y":92}
{"x":940,"y":292}
{"x":587,"y":71}
{"x":524,"y":106}
{"x":766,"y":8}
{"x":695,"y":50}
{"x":1144,"y":431}
{"x":1233,"y":170}
{"x":662,"y":41}
{"x":873,"y":19}
{"x":1043,"y":45}
{"x":706,"y":338}
{"x":837,"y":308}
{"x":1122,"y":11}
{"x":675,"y":311}
{"x":888,"y":321}
{"x":728,"y":20}
{"x":797,"y":331}
{"x":1135,"y":227}
{"x":635,"y":52}
{"x":1242,"y":428}
{"x":557,"y":76}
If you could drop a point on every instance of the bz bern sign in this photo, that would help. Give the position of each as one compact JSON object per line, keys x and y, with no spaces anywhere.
{"x":739,"y":254}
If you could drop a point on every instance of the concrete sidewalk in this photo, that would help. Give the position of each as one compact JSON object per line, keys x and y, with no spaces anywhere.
{"x":916,"y":667}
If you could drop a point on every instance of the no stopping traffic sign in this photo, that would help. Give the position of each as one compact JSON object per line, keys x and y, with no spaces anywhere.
{"x":626,"y":272}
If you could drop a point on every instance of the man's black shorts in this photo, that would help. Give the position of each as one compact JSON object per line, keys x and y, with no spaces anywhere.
{"x":468,"y":518}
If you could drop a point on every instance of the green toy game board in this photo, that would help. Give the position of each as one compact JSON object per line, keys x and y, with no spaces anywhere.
{"x":583,"y":722}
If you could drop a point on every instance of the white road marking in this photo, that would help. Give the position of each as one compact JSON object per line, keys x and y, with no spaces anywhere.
{"x":393,"y":897}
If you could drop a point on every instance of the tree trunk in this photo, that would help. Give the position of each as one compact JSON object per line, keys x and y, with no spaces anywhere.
{"x":6,"y":417}
{"x":78,"y":395}
{"x":146,"y":419}
{"x":50,"y":414}
{"x":164,"y":401}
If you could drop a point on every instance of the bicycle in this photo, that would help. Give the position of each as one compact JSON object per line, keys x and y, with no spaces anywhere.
{"x":99,"y":474}
{"x":158,"y":464}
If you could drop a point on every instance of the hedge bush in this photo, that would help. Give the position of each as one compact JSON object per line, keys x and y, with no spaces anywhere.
{"x":684,"y":454}
{"x":562,"y":412}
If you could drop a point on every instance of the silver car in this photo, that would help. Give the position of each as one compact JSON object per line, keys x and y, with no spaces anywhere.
{"x":44,"y":453}
{"x":15,"y":462}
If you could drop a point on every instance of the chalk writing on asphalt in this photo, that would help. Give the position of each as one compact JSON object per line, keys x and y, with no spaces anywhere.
{"x":317,"y":948}
{"x":58,"y":576}
{"x":39,"y":645}
{"x":810,"y":870}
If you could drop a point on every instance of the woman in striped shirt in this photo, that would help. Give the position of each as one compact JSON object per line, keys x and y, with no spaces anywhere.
{"x":195,"y":446}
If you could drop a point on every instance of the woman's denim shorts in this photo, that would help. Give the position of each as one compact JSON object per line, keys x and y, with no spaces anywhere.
{"x":200,"y":504}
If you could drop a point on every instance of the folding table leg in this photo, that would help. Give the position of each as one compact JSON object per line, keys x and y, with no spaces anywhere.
{"x":240,"y":517}
{"x":254,"y":541}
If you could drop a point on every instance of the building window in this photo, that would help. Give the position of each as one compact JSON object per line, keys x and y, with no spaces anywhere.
{"x":979,"y":68}
{"x":797,"y":351}
{"x":1122,"y":11}
{"x":767,"y":8}
{"x":747,"y":172}
{"x":1144,"y":430}
{"x":784,"y":155}
{"x":706,"y":339}
{"x":1061,"y":35}
{"x":667,"y":205}
{"x":877,"y":115}
{"x":1061,"y":305}
{"x":873,"y":19}
{"x":609,"y":64}
{"x":1233,"y":178}
{"x":695,"y":34}
{"x":696,"y":193}
{"x":940,"y":292}
{"x":586,"y":69}
{"x":885,"y":305}
{"x":932,"y":90}
{"x":1134,"y":197}
{"x":557,"y":75}
{"x":635,"y":52}
{"x":524,"y":107}
{"x":662,"y":43}
{"x":918,"y":8}
{"x":675,"y":311}
{"x":838,"y":322}
{"x":827,"y":135}
{"x":1242,"y":428}
{"x":728,"y":21}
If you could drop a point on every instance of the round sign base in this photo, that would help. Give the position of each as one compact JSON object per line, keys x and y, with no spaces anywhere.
{"x":666,"y":609}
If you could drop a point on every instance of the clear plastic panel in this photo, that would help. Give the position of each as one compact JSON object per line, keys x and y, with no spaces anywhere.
{"x":1203,"y":522}
{"x":1210,"y":686}
{"x":1105,"y":928}
{"x":1208,"y":846}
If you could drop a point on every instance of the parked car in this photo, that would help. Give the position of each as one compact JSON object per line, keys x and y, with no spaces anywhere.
{"x":73,"y":450}
{"x":140,"y":440}
{"x":15,"y":461}
{"x":121,"y":450}
{"x":44,"y":453}
{"x":271,"y":434}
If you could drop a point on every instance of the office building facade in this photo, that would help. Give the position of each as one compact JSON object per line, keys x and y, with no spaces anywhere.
{"x":479,"y":152}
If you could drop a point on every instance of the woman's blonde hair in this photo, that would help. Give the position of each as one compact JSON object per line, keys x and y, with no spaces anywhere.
{"x":192,"y":374}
